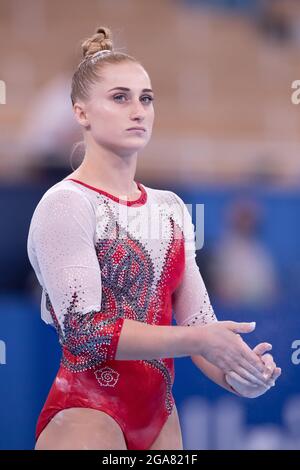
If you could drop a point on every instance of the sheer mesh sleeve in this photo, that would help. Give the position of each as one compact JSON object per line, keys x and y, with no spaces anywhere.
{"x":191,"y":303}
{"x":61,"y":250}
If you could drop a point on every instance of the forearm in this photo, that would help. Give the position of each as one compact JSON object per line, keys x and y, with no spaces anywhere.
{"x":212,"y":372}
{"x":139,"y":340}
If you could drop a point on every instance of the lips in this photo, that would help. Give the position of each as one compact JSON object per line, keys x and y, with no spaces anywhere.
{"x":136,"y":129}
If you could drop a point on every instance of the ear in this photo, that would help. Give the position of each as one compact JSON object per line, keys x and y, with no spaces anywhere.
{"x":80,"y":114}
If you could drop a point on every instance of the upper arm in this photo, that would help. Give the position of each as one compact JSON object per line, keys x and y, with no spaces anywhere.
{"x":62,"y":240}
{"x":191,"y":302}
{"x":61,"y":246}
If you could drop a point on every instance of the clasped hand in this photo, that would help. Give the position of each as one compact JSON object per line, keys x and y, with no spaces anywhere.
{"x":252,"y":389}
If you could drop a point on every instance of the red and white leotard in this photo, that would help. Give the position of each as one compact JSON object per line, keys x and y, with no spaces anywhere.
{"x":100,"y":260}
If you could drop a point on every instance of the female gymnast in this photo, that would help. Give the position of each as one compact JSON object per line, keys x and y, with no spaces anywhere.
{"x":114,"y":258}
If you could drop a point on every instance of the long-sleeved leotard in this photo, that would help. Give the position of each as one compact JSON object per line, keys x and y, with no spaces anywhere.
{"x":101,"y":260}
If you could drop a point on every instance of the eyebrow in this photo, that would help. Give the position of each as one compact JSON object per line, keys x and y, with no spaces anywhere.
{"x":128,"y":89}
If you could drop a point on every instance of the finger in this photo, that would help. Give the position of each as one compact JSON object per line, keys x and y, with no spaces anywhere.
{"x":237,"y":378}
{"x":268,"y":360}
{"x":243,"y":371}
{"x":252,"y":370}
{"x":270,"y":365}
{"x":261,"y":348}
{"x":261,"y":376}
{"x":274,"y":377}
{"x":241,"y":327}
{"x":276,"y":373}
{"x":253,"y":360}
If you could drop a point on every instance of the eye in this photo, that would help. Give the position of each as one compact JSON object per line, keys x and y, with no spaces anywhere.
{"x":147,"y":99}
{"x":117,"y":97}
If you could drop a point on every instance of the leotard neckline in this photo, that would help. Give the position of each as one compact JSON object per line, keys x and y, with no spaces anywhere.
{"x":141,"y":200}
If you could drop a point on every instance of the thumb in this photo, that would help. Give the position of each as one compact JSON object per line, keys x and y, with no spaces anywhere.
{"x":242,"y":327}
{"x":261,"y":348}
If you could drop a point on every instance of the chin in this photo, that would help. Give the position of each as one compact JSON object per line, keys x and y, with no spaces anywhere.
{"x":131,"y":148}
{"x":126,"y":151}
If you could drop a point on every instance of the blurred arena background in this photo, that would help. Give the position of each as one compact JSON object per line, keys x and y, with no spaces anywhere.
{"x":227,"y":135}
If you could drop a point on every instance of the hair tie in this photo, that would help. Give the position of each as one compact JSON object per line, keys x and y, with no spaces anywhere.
{"x":99,"y":54}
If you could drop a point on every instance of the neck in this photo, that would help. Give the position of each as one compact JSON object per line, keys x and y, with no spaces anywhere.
{"x":107,"y":170}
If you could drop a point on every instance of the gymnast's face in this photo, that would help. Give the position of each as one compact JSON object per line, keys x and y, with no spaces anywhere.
{"x":120,"y":100}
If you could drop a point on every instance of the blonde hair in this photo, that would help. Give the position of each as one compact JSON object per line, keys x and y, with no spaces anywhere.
{"x":89,"y":71}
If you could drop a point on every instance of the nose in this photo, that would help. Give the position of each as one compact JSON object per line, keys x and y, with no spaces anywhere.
{"x":137,"y":112}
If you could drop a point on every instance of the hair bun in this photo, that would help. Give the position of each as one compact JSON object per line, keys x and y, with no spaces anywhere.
{"x":101,"y":40}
